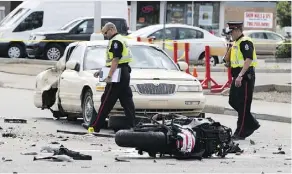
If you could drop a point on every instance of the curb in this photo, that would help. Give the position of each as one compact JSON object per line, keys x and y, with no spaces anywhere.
{"x":258,"y":70}
{"x":227,"y":111}
{"x":26,"y":61}
{"x":279,"y":60}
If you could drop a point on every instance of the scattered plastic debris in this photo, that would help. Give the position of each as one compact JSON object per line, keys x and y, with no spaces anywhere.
{"x":121,"y":160}
{"x":15,"y":120}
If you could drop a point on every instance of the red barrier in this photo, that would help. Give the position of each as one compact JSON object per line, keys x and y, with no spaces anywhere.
{"x":175,"y":52}
{"x":187,"y":50}
{"x":206,"y":84}
{"x":226,"y":85}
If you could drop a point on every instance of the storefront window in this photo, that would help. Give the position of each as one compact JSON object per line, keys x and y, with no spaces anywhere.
{"x":179,"y":12}
{"x":206,"y":16}
{"x":147,"y":13}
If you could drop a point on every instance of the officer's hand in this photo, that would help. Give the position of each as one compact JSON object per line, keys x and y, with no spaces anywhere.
{"x":238,"y":81}
{"x":96,"y":75}
{"x":108,"y":80}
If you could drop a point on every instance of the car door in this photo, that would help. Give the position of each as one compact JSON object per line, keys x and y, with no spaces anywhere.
{"x":274,"y":40}
{"x":260,"y":42}
{"x":82,"y":31}
{"x":195,"y":38}
{"x":71,"y":83}
{"x":170,"y":35}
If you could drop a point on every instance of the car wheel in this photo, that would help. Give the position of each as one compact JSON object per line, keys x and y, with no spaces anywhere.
{"x":54,"y":52}
{"x":88,"y":109}
{"x":15,"y":51}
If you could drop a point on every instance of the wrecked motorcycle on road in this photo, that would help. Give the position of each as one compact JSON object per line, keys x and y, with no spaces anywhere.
{"x":179,"y":136}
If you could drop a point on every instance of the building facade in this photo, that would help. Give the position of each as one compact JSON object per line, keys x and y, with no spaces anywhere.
{"x":7,"y":6}
{"x":209,"y":15}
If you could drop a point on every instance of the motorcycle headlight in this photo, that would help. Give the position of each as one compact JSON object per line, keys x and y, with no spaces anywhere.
{"x":189,"y":88}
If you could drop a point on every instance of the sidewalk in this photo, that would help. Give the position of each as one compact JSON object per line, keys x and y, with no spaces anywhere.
{"x":272,"y":111}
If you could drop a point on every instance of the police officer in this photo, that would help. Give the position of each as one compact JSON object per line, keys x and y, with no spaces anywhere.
{"x":243,"y":60}
{"x":118,"y":56}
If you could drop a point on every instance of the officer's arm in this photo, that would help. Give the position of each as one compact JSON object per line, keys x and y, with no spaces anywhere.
{"x":117,"y":49}
{"x":246,"y":47}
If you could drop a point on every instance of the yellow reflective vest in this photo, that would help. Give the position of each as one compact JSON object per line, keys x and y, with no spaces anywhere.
{"x":236,"y":57}
{"x":126,"y":54}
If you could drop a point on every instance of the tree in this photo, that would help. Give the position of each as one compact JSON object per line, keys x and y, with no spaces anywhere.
{"x":284,"y":13}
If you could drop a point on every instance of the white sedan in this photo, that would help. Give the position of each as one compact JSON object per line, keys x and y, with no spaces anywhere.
{"x":197,"y":37}
{"x":70,"y":90}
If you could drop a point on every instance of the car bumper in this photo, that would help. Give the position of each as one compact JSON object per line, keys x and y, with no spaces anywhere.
{"x":189,"y":104}
{"x":35,"y":49}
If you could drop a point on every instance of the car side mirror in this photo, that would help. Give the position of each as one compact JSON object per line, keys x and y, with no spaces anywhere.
{"x":79,"y":30}
{"x":73,"y":65}
{"x":183,"y":66}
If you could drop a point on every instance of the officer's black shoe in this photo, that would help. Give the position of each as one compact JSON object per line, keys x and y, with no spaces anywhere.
{"x":85,"y":126}
{"x":236,"y":138}
{"x":250,"y":132}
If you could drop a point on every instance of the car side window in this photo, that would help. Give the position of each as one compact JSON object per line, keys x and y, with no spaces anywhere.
{"x":85,"y":27}
{"x":272,"y":36}
{"x":95,"y":58}
{"x":77,"y":54}
{"x":31,"y":22}
{"x":170,"y":34}
{"x":186,"y":33}
{"x":258,"y":36}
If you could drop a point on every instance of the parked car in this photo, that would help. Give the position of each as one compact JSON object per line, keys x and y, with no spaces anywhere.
{"x":75,"y":30}
{"x":33,"y":16}
{"x":265,"y":41}
{"x":197,"y":37}
{"x":158,"y":84}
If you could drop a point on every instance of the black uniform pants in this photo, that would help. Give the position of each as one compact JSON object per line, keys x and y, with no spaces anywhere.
{"x":112,"y":93}
{"x":240,"y":99}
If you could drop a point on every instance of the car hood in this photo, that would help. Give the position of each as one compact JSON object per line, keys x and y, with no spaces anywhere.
{"x":159,"y":74}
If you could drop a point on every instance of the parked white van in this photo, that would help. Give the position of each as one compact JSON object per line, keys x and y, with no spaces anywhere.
{"x":34,"y":16}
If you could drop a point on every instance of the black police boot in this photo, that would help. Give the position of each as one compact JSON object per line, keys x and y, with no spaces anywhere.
{"x":236,"y":137}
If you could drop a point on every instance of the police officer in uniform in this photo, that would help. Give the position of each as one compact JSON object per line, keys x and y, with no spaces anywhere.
{"x":118,"y":56}
{"x":242,"y":59}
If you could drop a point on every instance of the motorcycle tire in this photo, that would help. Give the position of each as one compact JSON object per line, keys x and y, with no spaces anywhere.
{"x":147,"y":141}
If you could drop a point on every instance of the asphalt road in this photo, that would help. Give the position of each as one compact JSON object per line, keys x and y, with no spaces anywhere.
{"x":41,"y":129}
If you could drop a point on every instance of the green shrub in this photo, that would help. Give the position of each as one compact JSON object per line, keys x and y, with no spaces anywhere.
{"x":284,"y":50}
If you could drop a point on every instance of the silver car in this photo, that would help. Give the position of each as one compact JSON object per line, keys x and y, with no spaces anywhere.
{"x":265,"y":41}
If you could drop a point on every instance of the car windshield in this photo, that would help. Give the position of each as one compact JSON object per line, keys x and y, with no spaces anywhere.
{"x":70,"y":25}
{"x":13,"y":17}
{"x":144,"y":57}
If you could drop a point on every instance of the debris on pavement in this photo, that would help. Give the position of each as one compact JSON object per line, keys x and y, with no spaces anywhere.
{"x":86,"y":133}
{"x":280,"y":152}
{"x":65,"y":139}
{"x":14,"y":120}
{"x":54,"y":142}
{"x":6,"y":160}
{"x":13,"y":135}
{"x":1,"y":128}
{"x":29,"y":153}
{"x":96,"y":144}
{"x":252,"y":142}
{"x":57,"y":158}
{"x":33,"y":145}
{"x":64,"y":151}
{"x":120,"y":160}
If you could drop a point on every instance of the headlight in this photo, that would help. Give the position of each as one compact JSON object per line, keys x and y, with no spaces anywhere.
{"x":188,"y":88}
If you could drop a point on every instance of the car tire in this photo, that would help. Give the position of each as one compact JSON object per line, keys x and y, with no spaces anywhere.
{"x":147,"y":141}
{"x":88,"y":109}
{"x":120,"y":122}
{"x":213,"y":60}
{"x":54,"y":52}
{"x":15,"y":50}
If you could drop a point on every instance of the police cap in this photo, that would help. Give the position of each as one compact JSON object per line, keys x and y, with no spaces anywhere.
{"x":233,"y":25}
